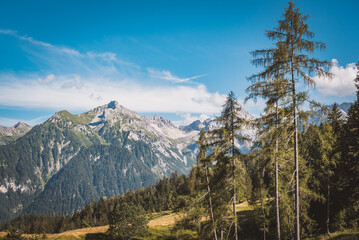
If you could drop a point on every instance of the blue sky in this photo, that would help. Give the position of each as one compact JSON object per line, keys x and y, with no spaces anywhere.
{"x":177,"y":59}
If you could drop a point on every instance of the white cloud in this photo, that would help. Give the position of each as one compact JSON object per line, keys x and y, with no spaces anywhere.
{"x":167,"y":75}
{"x":9,"y":122}
{"x":67,"y":60}
{"x":254,"y":107}
{"x":81,"y":81}
{"x":49,"y":78}
{"x":73,"y":83}
{"x":189,"y":118}
{"x":31,"y":40}
{"x":73,"y":94}
{"x":343,"y":82}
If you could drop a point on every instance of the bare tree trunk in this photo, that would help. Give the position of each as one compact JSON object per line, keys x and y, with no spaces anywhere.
{"x":263,"y":212}
{"x":295,"y":125}
{"x":276,"y":177}
{"x":233,"y":175}
{"x":234,"y":201}
{"x":264,"y":219}
{"x":210,"y":202}
{"x":328,"y":197}
{"x":297,"y":223}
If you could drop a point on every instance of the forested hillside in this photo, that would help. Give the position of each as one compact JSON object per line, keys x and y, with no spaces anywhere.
{"x":172,"y":193}
{"x":74,"y":159}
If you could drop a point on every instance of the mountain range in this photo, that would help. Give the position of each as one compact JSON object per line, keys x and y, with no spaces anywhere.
{"x":70,"y":160}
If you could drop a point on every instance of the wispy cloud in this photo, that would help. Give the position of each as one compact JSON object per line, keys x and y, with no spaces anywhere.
{"x":49,"y":78}
{"x":31,"y":40}
{"x":168,"y":76}
{"x":9,"y":122}
{"x":82,"y":80}
{"x":67,"y":60}
{"x":343,"y":82}
{"x":65,"y":93}
{"x":189,"y":118}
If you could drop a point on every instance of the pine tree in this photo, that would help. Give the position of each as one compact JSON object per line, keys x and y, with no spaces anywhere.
{"x":335,"y":119}
{"x":350,"y":166}
{"x":318,"y":150}
{"x":226,"y":153}
{"x":204,"y":161}
{"x":289,"y":58}
{"x":271,"y":123}
{"x":127,"y":221}
{"x":337,"y":124}
{"x":353,"y":141}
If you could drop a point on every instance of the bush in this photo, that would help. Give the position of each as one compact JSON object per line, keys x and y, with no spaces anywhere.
{"x":127,"y":221}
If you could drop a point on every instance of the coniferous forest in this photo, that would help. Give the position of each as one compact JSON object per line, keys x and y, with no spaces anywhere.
{"x":300,"y":180}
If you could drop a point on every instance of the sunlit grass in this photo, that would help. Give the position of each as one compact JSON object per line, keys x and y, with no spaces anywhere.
{"x":346,"y":235}
{"x":161,"y":224}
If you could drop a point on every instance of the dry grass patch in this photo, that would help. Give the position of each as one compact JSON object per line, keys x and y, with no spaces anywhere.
{"x":165,"y":220}
{"x":79,"y":232}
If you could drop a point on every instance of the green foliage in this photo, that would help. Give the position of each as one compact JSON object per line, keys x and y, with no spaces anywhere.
{"x":347,"y":180}
{"x":285,"y":65}
{"x":220,"y":178}
{"x":166,"y":233}
{"x":127,"y":221}
{"x":56,"y":162}
{"x":154,"y":198}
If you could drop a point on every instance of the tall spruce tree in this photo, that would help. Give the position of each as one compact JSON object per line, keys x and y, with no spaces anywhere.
{"x":271,"y":123}
{"x":204,"y":161}
{"x":224,"y":143}
{"x":351,"y":162}
{"x":290,"y":58}
{"x":335,"y":119}
{"x":337,"y":123}
{"x":318,"y":150}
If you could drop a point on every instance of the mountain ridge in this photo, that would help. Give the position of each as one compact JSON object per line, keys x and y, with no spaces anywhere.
{"x":105,"y":151}
{"x":128,"y":146}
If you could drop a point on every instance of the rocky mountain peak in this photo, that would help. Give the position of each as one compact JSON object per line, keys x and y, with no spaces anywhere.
{"x":8,"y":134}
{"x":21,"y":125}
{"x":194,"y":126}
{"x":113,"y":105}
{"x":112,"y":112}
{"x":163,"y":121}
{"x":18,"y":128}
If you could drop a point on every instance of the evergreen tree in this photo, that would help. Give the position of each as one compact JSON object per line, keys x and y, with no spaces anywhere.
{"x":290,"y":58}
{"x":317,"y":148}
{"x":205,"y":161}
{"x":353,"y":142}
{"x":335,"y":119}
{"x":271,"y":123}
{"x":127,"y":221}
{"x":349,"y":181}
{"x":228,"y":164}
{"x":337,"y":124}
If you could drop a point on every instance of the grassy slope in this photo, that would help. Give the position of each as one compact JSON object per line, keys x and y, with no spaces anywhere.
{"x":160,"y":226}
